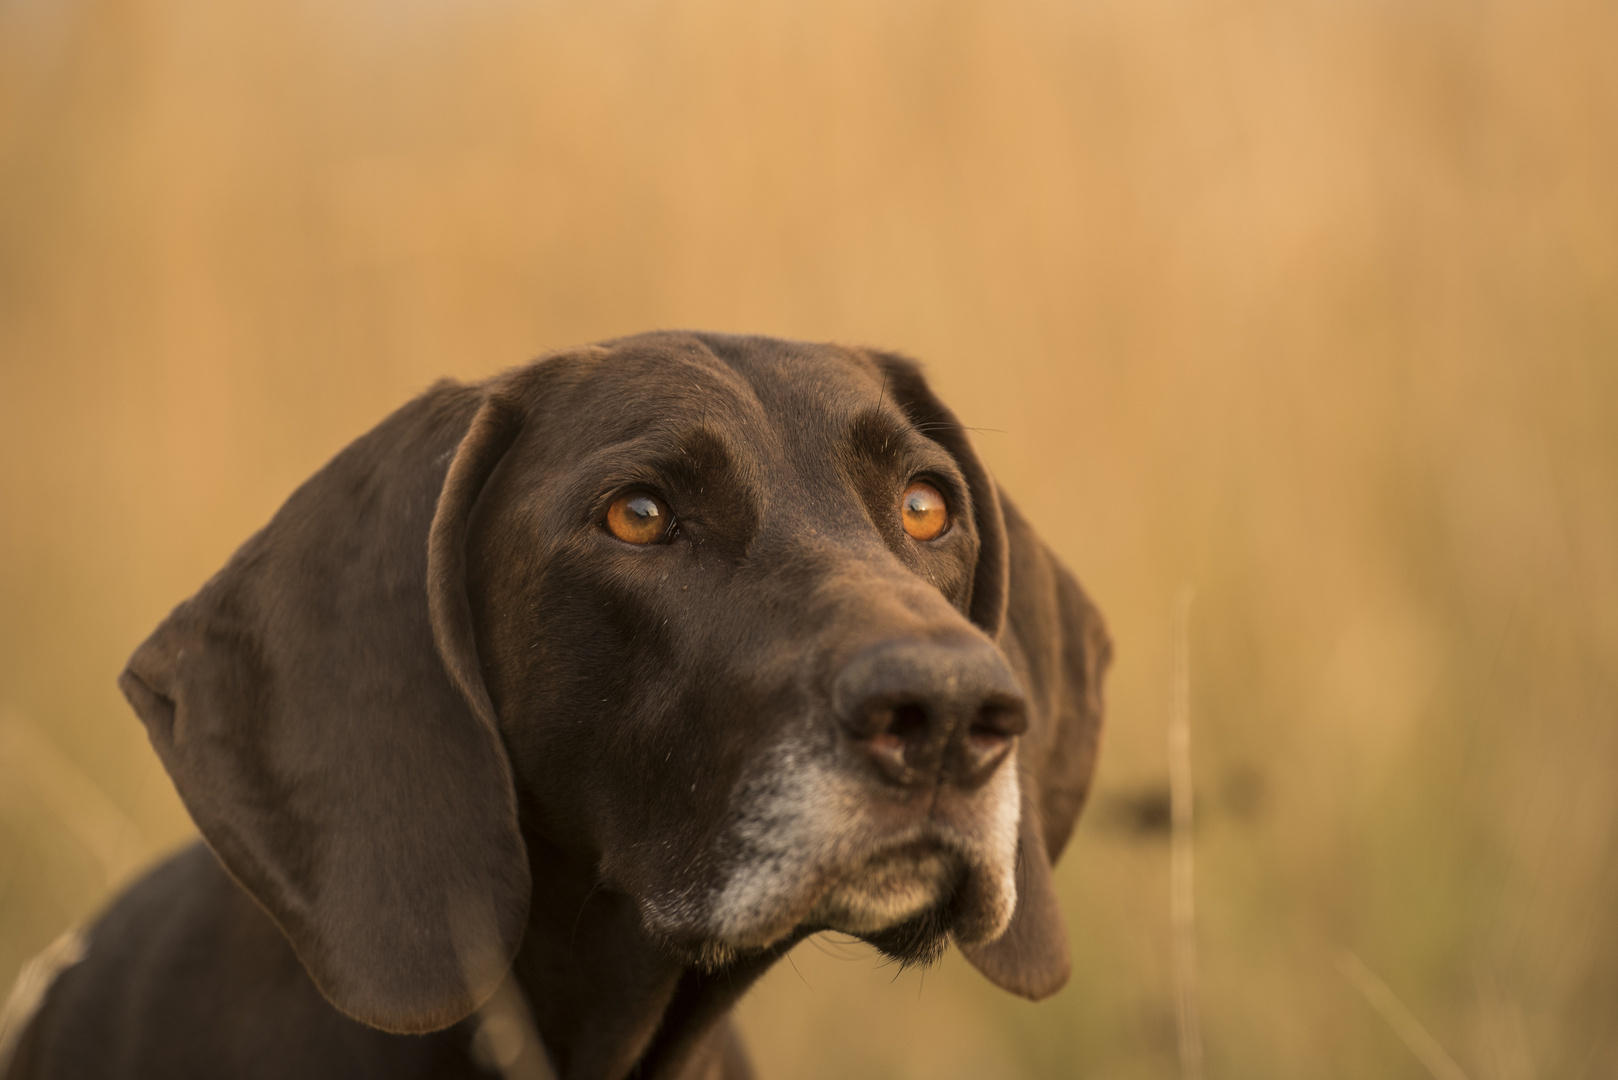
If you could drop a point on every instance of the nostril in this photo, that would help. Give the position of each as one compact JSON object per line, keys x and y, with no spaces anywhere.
{"x":907,"y":721}
{"x":901,"y":722}
{"x":1000,"y":720}
{"x":988,"y":740}
{"x":893,"y":734}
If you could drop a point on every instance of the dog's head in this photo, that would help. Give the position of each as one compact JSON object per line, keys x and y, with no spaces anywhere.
{"x":742,"y":622}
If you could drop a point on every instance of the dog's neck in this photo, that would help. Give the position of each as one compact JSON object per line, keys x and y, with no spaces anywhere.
{"x":610,"y":1001}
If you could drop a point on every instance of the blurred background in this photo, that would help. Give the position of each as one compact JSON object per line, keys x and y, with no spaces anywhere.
{"x":1306,"y":305}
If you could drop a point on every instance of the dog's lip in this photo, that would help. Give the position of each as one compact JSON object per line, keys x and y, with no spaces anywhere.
{"x":933,"y":835}
{"x":931,"y":839}
{"x":803,"y":828}
{"x":917,"y":850}
{"x":891,"y":886}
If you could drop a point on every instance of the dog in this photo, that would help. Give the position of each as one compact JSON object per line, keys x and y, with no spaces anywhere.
{"x":550,"y":713}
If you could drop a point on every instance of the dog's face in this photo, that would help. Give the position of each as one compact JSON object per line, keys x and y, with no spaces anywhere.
{"x":777,"y":711}
{"x":728,"y":617}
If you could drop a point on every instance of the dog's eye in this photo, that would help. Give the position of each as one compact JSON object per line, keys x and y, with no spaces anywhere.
{"x":638,"y":518}
{"x":926,"y":514}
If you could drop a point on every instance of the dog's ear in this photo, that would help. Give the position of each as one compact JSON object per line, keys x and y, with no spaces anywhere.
{"x":1053,"y":635}
{"x":1056,"y":640}
{"x":319,"y":706}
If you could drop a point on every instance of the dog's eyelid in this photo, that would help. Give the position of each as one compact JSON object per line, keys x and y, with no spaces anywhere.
{"x":949,"y":484}
{"x":598,"y":497}
{"x":946,"y":484}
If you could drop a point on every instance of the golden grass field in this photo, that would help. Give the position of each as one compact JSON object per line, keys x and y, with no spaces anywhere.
{"x":1311,"y":307}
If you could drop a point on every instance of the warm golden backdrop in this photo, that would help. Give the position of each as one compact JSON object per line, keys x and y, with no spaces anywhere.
{"x":1311,"y":306}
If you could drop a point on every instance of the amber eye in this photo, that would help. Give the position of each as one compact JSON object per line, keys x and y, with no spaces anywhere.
{"x":638,"y":519}
{"x":926,"y":514}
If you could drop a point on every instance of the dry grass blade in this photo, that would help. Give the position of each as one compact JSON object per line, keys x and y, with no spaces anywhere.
{"x":507,"y":1039}
{"x":77,"y":801}
{"x":1182,"y":885}
{"x":1400,"y":1019}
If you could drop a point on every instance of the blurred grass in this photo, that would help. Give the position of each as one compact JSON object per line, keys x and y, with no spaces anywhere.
{"x":1313,"y":307}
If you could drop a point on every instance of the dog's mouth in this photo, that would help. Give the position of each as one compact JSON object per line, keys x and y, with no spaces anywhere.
{"x":908,"y":898}
{"x":900,"y":900}
{"x":810,"y":848}
{"x":889,"y":888}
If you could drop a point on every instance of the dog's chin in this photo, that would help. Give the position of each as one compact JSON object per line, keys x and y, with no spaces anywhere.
{"x":905,"y":901}
{"x":909,"y":902}
{"x":890,"y":889}
{"x":902,"y":902}
{"x":908,"y":899}
{"x":919,"y":941}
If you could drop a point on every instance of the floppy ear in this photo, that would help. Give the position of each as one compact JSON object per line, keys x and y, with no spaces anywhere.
{"x":1054,"y":637}
{"x":345,"y":768}
{"x":1056,"y":640}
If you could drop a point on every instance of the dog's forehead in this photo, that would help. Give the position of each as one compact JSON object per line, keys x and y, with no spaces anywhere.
{"x":742,"y":384}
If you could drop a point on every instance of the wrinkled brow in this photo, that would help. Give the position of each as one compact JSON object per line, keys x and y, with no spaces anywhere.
{"x":694,"y":461}
{"x":881,"y":435}
{"x":695,"y":458}
{"x":687,"y":457}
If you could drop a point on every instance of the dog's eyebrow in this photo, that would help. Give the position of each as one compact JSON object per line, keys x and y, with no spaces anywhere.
{"x":694,"y":457}
{"x":880,"y":434}
{"x":694,"y":460}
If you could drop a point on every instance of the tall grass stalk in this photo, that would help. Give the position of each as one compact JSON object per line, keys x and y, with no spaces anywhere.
{"x":1399,"y":1018}
{"x":1182,"y":884}
{"x":32,"y":759}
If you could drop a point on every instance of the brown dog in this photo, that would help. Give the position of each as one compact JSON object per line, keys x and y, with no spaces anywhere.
{"x":554,"y":710}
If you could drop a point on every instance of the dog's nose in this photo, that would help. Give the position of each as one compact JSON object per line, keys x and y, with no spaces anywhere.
{"x":926,"y":712}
